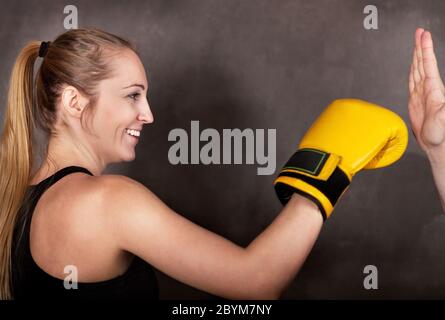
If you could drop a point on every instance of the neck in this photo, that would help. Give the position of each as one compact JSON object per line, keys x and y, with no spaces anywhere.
{"x":64,"y":151}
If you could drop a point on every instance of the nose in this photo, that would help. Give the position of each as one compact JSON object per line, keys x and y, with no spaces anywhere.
{"x":146,"y":115}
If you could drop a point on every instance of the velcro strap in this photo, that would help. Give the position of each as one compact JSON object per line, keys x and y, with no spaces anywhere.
{"x":315,"y":169}
{"x":332,"y":188}
{"x":313,"y":163}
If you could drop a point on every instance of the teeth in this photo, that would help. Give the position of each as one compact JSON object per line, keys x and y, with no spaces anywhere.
{"x":133,"y":132}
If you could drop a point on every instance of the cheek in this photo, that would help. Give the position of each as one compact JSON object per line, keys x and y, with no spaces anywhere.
{"x":115,"y":118}
{"x":105,"y":120}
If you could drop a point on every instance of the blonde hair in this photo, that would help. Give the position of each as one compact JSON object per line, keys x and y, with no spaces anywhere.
{"x":79,"y":58}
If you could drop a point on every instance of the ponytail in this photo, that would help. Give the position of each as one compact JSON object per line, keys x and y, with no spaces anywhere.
{"x":15,"y":155}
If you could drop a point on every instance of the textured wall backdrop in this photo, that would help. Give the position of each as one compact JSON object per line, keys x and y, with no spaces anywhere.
{"x":273,"y":64}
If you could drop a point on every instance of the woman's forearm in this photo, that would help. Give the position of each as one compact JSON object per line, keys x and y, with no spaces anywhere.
{"x":281,"y":249}
{"x":437,"y":162}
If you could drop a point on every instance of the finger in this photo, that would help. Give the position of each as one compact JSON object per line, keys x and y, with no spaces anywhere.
{"x":429,"y":58}
{"x":418,"y":36}
{"x":411,"y":84}
{"x":415,"y":67}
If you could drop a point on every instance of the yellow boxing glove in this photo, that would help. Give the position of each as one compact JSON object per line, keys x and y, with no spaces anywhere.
{"x":348,"y":136}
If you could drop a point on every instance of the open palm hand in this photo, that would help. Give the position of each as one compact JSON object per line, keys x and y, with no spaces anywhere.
{"x":427,"y":94}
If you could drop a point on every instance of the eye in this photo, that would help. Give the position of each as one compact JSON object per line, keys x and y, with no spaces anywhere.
{"x":134,"y":96}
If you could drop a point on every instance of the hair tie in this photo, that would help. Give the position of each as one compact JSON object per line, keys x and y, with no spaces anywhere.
{"x":44,"y":48}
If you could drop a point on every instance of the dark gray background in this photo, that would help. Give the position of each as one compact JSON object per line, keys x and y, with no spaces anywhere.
{"x":273,"y":64}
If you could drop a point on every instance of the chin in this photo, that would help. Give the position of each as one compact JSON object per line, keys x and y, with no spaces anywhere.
{"x":129,"y":158}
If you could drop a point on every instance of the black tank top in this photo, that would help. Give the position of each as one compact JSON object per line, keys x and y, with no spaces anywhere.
{"x":29,"y":281}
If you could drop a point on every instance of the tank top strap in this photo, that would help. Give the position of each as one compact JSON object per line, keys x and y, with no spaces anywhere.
{"x":60,"y":174}
{"x":66,"y":171}
{"x":34,"y":192}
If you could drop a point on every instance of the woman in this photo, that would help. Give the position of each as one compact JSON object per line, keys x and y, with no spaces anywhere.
{"x":90,"y":98}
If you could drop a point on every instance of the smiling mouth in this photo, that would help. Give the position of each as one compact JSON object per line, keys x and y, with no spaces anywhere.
{"x":133,"y":132}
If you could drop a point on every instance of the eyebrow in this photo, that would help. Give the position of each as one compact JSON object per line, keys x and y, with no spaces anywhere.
{"x":135,"y":85}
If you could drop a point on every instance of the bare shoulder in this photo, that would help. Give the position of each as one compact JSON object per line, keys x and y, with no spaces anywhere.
{"x":115,"y":204}
{"x":115,"y":182}
{"x":102,"y":195}
{"x":134,"y":216}
{"x":118,"y":188}
{"x":126,"y":197}
{"x":76,"y":213}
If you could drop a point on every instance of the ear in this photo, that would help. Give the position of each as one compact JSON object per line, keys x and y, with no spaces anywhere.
{"x":73,"y":102}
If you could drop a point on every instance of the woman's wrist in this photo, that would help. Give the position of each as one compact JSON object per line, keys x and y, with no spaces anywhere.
{"x":436,"y":156}
{"x":304,"y":206}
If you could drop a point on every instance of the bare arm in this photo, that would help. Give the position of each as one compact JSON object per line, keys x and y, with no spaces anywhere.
{"x":427,"y":107}
{"x":437,"y":162}
{"x":144,"y":225}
